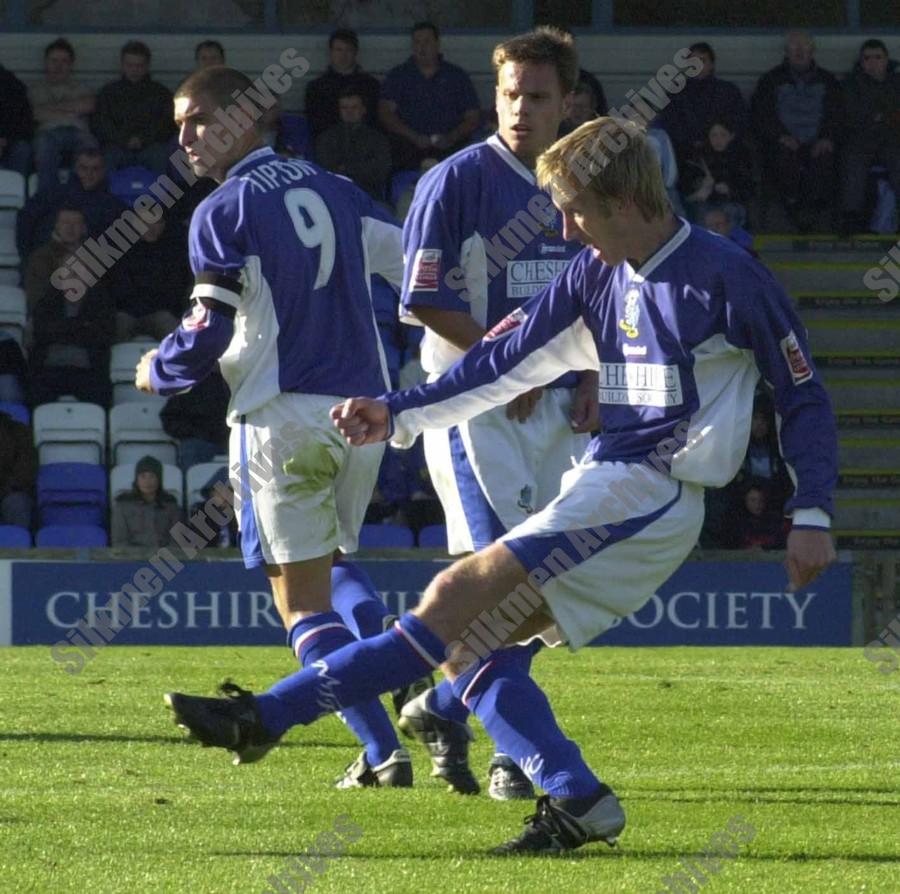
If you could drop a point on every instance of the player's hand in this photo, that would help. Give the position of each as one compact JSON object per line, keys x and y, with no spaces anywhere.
{"x":809,"y":551}
{"x":362,"y":420}
{"x":522,"y":407}
{"x":142,"y":373}
{"x":584,"y":417}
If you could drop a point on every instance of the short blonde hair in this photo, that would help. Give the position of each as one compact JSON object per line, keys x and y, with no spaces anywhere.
{"x":613,"y":159}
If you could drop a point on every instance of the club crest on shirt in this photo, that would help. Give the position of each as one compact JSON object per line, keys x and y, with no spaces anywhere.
{"x":796,"y":361}
{"x":198,"y":318}
{"x":507,"y":324}
{"x":426,"y":270}
{"x":632,"y":312}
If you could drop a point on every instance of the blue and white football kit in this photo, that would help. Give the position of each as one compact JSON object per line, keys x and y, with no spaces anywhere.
{"x":482,"y":238}
{"x":282,"y":254}
{"x":679,"y":344}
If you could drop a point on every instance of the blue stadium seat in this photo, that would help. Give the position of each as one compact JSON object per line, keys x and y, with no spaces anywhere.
{"x":295,"y":135}
{"x":72,"y":536}
{"x":71,"y":494}
{"x":131,"y":183}
{"x":433,"y":536}
{"x":19,"y":412}
{"x":376,"y":536}
{"x":14,"y":537}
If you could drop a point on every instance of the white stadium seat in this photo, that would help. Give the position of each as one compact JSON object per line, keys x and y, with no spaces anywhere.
{"x":12,"y":189}
{"x":121,"y":478}
{"x":135,"y":431}
{"x":123,"y":359}
{"x":70,"y":431}
{"x":197,"y":476}
{"x":9,"y":253}
{"x":13,"y":313}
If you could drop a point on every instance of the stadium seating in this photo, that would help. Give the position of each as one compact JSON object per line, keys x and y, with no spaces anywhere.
{"x":71,"y":493}
{"x":12,"y":189}
{"x":9,"y":276}
{"x":123,"y":359}
{"x":70,"y":431}
{"x":14,"y":537}
{"x":433,"y":537}
{"x":121,"y":478}
{"x":72,"y":536}
{"x":379,"y":536}
{"x":19,"y":412}
{"x":295,"y":135}
{"x":12,"y":198}
{"x":135,"y":431}
{"x":13,"y":311}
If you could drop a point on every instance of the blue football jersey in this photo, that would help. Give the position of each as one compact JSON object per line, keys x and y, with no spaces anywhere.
{"x":283,"y":251}
{"x":480,"y":237}
{"x":679,"y":344}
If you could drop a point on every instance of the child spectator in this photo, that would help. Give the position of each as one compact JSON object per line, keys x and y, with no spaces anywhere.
{"x":146,"y":514}
{"x":757,"y":526}
{"x":721,"y":175}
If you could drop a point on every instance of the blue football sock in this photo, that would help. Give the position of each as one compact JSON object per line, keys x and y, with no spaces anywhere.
{"x":355,"y":599}
{"x":354,"y":673}
{"x":443,"y":701}
{"x":517,"y":716}
{"x":321,"y":634}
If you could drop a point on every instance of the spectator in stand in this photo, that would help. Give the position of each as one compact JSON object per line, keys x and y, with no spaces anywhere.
{"x":757,"y":525}
{"x":704,"y":100}
{"x":16,"y":124}
{"x":763,"y":461}
{"x":86,"y":190}
{"x":872,"y":103}
{"x":62,"y":107}
{"x":343,"y":74}
{"x":196,"y":419}
{"x":797,"y":113}
{"x":718,"y":221}
{"x":219,"y":490}
{"x":428,"y":105}
{"x":134,"y":115}
{"x":150,"y":283}
{"x":354,"y":149}
{"x":720,"y":175}
{"x":582,"y":108}
{"x":209,"y":52}
{"x":68,"y":233}
{"x":18,"y":471}
{"x":662,"y":147}
{"x":146,"y":514}
{"x":72,"y":333}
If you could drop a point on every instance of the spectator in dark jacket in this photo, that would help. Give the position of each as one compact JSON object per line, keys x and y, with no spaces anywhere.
{"x":146,"y":514}
{"x":71,"y":342}
{"x":18,"y":470}
{"x":196,"y":420}
{"x":704,"y":99}
{"x":342,"y":74}
{"x":150,"y":283}
{"x":719,"y":176}
{"x":86,"y":190}
{"x":134,"y":115}
{"x":66,"y":238}
{"x":757,"y":525}
{"x":16,"y":124}
{"x":354,"y":149}
{"x":797,"y":114}
{"x":218,"y":489}
{"x":872,"y":102}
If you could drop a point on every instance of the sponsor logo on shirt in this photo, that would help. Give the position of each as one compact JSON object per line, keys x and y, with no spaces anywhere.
{"x":631,"y":314}
{"x":507,"y":324}
{"x":527,"y":278}
{"x":552,"y":249}
{"x":793,"y":354}
{"x":426,"y":270}
{"x":640,"y":385}
{"x":634,"y":350}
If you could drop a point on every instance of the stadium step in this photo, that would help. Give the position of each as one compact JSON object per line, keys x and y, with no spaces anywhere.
{"x":854,"y":417}
{"x":809,"y":275}
{"x":774,"y":245}
{"x":852,"y":478}
{"x":866,"y":539}
{"x":868,"y":449}
{"x":848,"y":300}
{"x":876,"y":337}
{"x":853,"y":393}
{"x":872,"y":510}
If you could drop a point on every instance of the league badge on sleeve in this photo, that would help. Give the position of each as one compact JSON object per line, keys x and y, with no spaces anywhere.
{"x":426,"y":270}
{"x":796,"y":361}
{"x":507,"y":324}
{"x":198,"y":318}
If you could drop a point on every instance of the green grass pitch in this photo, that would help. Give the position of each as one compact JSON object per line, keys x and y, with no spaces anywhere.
{"x":99,"y":794}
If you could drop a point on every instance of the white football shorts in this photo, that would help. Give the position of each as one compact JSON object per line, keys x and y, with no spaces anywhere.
{"x":598,"y":552}
{"x":491,"y":473}
{"x":303,"y":491}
